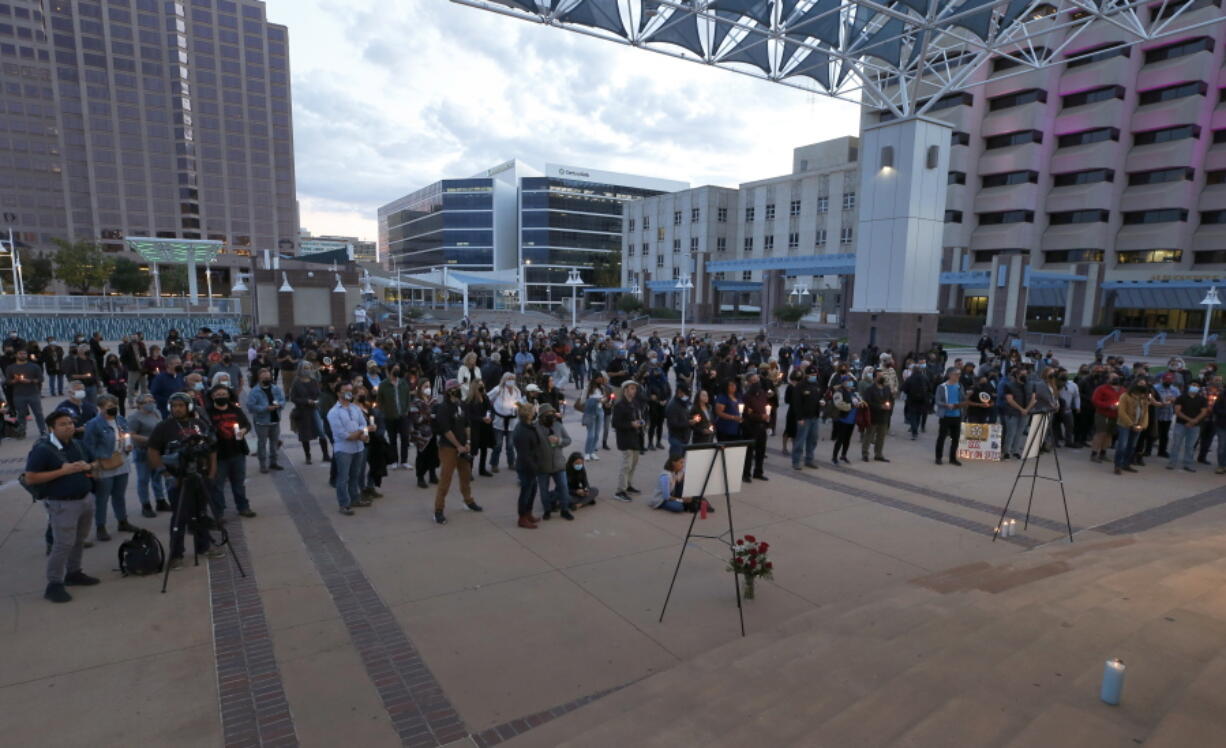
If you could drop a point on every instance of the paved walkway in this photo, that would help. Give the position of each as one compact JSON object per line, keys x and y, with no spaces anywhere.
{"x":385,"y":629}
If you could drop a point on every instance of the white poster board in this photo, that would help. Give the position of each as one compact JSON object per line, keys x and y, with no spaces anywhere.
{"x":980,"y":441}
{"x":701,"y":459}
{"x":1035,"y":436}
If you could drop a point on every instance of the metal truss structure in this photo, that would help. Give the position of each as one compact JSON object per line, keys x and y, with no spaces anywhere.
{"x":897,"y":55}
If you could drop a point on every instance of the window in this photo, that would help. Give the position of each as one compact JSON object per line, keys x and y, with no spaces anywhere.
{"x":1218,"y":176}
{"x":1017,"y":98}
{"x":693,"y":244}
{"x":1166,"y":134}
{"x":770,"y":211}
{"x":1021,"y":137}
{"x":768,"y":243}
{"x":747,"y":275}
{"x":1178,"y":49}
{"x":721,"y":244}
{"x":1177,"y":91}
{"x":748,"y":244}
{"x":631,"y":226}
{"x":1066,"y":217}
{"x":1074,"y":255}
{"x":1164,"y":10}
{"x":1161,"y":215}
{"x":953,"y":216}
{"x":1085,"y":137}
{"x":1158,"y":176}
{"x":676,"y":218}
{"x":721,"y":215}
{"x":960,"y":138}
{"x":647,"y":223}
{"x":1097,"y":54}
{"x":1006,"y":216}
{"x":1139,"y":256}
{"x":676,"y":246}
{"x":749,"y":214}
{"x":823,"y":204}
{"x":1008,"y":63}
{"x":845,"y":235}
{"x":1209,"y":257}
{"x":849,"y":200}
{"x":957,"y":177}
{"x":1081,"y":98}
{"x":1213,"y":216}
{"x":1089,"y":176}
{"x":676,"y":272}
{"x":660,"y":261}
{"x":821,"y":238}
{"x":694,"y":214}
{"x":794,"y":208}
{"x":1219,"y":136}
{"x":794,"y":240}
{"x":1010,"y":177}
{"x":630,"y":250}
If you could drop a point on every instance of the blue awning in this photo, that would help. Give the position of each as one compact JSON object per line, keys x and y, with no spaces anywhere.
{"x":668,"y":284}
{"x":477,"y":280}
{"x":730,"y":285}
{"x":1183,"y":294}
{"x":968,"y":277}
{"x":1047,"y":295}
{"x":837,"y":264}
{"x":1047,"y":279}
{"x":606,"y":290}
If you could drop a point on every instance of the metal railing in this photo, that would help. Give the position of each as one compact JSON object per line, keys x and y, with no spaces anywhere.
{"x":1159,"y":338}
{"x":39,"y":304}
{"x":1043,"y":339}
{"x":1114,"y":336}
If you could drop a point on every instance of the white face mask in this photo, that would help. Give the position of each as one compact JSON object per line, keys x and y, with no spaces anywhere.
{"x":426,"y":392}
{"x":78,"y":394}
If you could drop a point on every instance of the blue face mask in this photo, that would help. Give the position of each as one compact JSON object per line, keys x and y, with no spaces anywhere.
{"x":812,"y":379}
{"x":578,"y":466}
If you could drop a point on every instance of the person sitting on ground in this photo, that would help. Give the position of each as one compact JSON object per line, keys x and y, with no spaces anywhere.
{"x":581,"y":492}
{"x":668,"y":488}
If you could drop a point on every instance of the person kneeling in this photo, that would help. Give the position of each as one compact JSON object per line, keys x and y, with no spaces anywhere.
{"x":668,"y":489}
{"x":581,"y":492}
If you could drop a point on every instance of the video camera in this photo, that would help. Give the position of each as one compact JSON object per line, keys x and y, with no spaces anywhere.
{"x":188,"y":456}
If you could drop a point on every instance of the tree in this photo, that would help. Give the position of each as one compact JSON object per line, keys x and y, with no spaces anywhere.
{"x":629,"y":303}
{"x":173,"y":279}
{"x":36,"y":272}
{"x":81,"y":265}
{"x":128,"y":278}
{"x":791,"y":312}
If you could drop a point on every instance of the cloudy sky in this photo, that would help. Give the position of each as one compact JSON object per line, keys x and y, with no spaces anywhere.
{"x":389,"y":97}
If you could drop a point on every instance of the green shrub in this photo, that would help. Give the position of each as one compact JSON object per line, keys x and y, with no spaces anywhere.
{"x":1201,"y":351}
{"x":629,"y":303}
{"x":792,"y":312}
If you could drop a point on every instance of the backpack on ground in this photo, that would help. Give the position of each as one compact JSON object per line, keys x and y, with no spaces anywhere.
{"x":141,"y":555}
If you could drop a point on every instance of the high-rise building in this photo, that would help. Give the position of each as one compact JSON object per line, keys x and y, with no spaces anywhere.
{"x":147,"y":118}
{"x":358,"y":250}
{"x":542,"y":224}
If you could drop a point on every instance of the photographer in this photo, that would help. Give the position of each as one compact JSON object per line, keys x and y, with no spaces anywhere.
{"x":230,"y":424}
{"x":58,"y":466}
{"x":184,"y":444}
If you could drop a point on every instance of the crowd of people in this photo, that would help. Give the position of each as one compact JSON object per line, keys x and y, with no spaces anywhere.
{"x":457,"y":400}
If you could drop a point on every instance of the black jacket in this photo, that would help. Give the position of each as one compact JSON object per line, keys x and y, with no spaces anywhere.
{"x":625,"y":413}
{"x":678,"y":416}
{"x":526,"y":443}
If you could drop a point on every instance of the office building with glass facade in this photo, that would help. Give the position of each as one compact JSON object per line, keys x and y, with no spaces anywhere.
{"x":147,"y":118}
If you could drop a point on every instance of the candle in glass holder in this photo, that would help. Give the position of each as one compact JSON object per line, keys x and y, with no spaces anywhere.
{"x":127,"y":441}
{"x":1113,"y":681}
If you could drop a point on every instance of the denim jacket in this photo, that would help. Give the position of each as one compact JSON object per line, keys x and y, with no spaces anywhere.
{"x":257,"y":404}
{"x":101,"y":441}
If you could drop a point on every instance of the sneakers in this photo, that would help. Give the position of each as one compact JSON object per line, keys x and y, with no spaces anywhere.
{"x":176,"y":563}
{"x":361,"y":503}
{"x":439,"y":519}
{"x":594,"y":456}
{"x":880,"y":459}
{"x":421,"y":483}
{"x":147,"y":512}
{"x":56,"y":593}
{"x":246,"y":513}
{"x":214,"y":553}
{"x":123,"y":526}
{"x":632,"y":489}
{"x":275,"y":467}
{"x":798,"y":467}
{"x":812,"y":465}
{"x":622,"y":497}
{"x":760,"y":476}
{"x":473,"y":506}
{"x":346,"y":511}
{"x":103,"y":535}
{"x":567,"y":515}
{"x":79,"y":578}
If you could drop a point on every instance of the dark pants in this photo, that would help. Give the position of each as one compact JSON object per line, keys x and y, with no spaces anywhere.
{"x":398,"y":434}
{"x":1164,"y":436}
{"x":527,"y":490}
{"x":1206,"y":439}
{"x":841,"y":436}
{"x":232,"y":470}
{"x":655,"y":422}
{"x":756,"y":433}
{"x":950,"y":426}
{"x":194,"y":500}
{"x":427,"y":459}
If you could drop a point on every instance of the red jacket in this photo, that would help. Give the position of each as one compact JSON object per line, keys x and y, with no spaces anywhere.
{"x":1106,"y":399}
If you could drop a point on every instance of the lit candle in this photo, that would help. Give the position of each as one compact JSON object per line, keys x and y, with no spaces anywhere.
{"x":1113,"y":681}
{"x":1012,"y":527}
{"x":741,"y":409}
{"x":127,"y":441}
{"x":768,"y":412}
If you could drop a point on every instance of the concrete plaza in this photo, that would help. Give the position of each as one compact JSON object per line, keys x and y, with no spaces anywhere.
{"x":384,"y":629}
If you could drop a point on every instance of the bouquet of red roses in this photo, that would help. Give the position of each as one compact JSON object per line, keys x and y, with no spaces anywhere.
{"x":749,"y":560}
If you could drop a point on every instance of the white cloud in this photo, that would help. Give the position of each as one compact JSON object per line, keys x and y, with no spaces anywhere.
{"x":389,"y":97}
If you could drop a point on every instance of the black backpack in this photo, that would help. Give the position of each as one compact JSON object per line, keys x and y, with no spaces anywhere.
{"x":141,"y":555}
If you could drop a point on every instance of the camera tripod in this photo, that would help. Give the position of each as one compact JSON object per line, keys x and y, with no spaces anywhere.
{"x":192,"y":490}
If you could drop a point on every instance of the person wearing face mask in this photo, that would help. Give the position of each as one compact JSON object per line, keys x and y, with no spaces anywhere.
{"x":265,"y":402}
{"x":807,"y":400}
{"x":1132,"y":417}
{"x":227,"y":366}
{"x":845,"y":401}
{"x":393,"y":396}
{"x":26,"y":379}
{"x":421,"y":422}
{"x":52,"y":360}
{"x":582,"y":493}
{"x":351,"y":431}
{"x":105,"y":443}
{"x":550,"y":464}
{"x":1106,"y":400}
{"x":230,"y":425}
{"x":79,"y":367}
{"x":78,"y":406}
{"x":306,"y":395}
{"x":454,"y":451}
{"x":880,"y":402}
{"x":143,"y":420}
{"x":655,"y":385}
{"x":754,"y":425}
{"x":1016,"y":402}
{"x":1191,"y":410}
{"x":167,"y":382}
{"x":680,"y":421}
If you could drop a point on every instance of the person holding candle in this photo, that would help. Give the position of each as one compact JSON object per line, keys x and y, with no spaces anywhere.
{"x":79,"y":367}
{"x":265,"y":402}
{"x":702,"y":429}
{"x":628,"y":423}
{"x":1106,"y":399}
{"x":729,"y":410}
{"x":592,"y":401}
{"x":845,"y":401}
{"x":680,"y":420}
{"x":1132,"y":417}
{"x":26,"y":379}
{"x":880,"y":402}
{"x":53,"y":363}
{"x":141,"y":423}
{"x":1191,"y":410}
{"x":950,"y":400}
{"x":755,"y":417}
{"x":230,"y":425}
{"x":115,"y":381}
{"x":105,"y":441}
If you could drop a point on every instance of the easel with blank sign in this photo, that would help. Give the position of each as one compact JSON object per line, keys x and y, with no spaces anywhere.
{"x":1039,"y":423}
{"x":713,"y":467}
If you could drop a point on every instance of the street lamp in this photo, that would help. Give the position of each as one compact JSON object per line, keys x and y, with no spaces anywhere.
{"x":340,"y":287}
{"x":574,"y":281}
{"x":285,"y":286}
{"x":1211,"y":300}
{"x":683,"y":284}
{"x":799,"y":291}
{"x":367,"y":289}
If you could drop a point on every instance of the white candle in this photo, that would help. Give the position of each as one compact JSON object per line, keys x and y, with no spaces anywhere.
{"x":1012,"y":527}
{"x":1113,"y":681}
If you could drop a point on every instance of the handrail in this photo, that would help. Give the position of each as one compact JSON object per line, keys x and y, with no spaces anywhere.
{"x":1159,"y":338}
{"x":1115,"y":335}
{"x":1062,"y":340}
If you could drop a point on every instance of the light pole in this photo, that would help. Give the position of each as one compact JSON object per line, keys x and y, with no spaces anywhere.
{"x":1211,"y":300}
{"x":523,"y":286}
{"x":683,"y":284}
{"x":574,"y":281}
{"x":799,"y":291}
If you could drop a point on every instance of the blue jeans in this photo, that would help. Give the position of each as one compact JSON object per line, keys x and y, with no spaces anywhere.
{"x":1015,"y":429}
{"x":56,"y":384}
{"x":806,"y":440}
{"x":594,"y":431}
{"x":499,"y":438}
{"x":232,"y":470}
{"x":32,"y":405}
{"x":674,"y":505}
{"x":676,"y":446}
{"x":527,"y":490}
{"x":1183,"y":443}
{"x":348,"y":476}
{"x":146,"y":476}
{"x":110,"y":489}
{"x":561,"y":491}
{"x":1125,"y":445}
